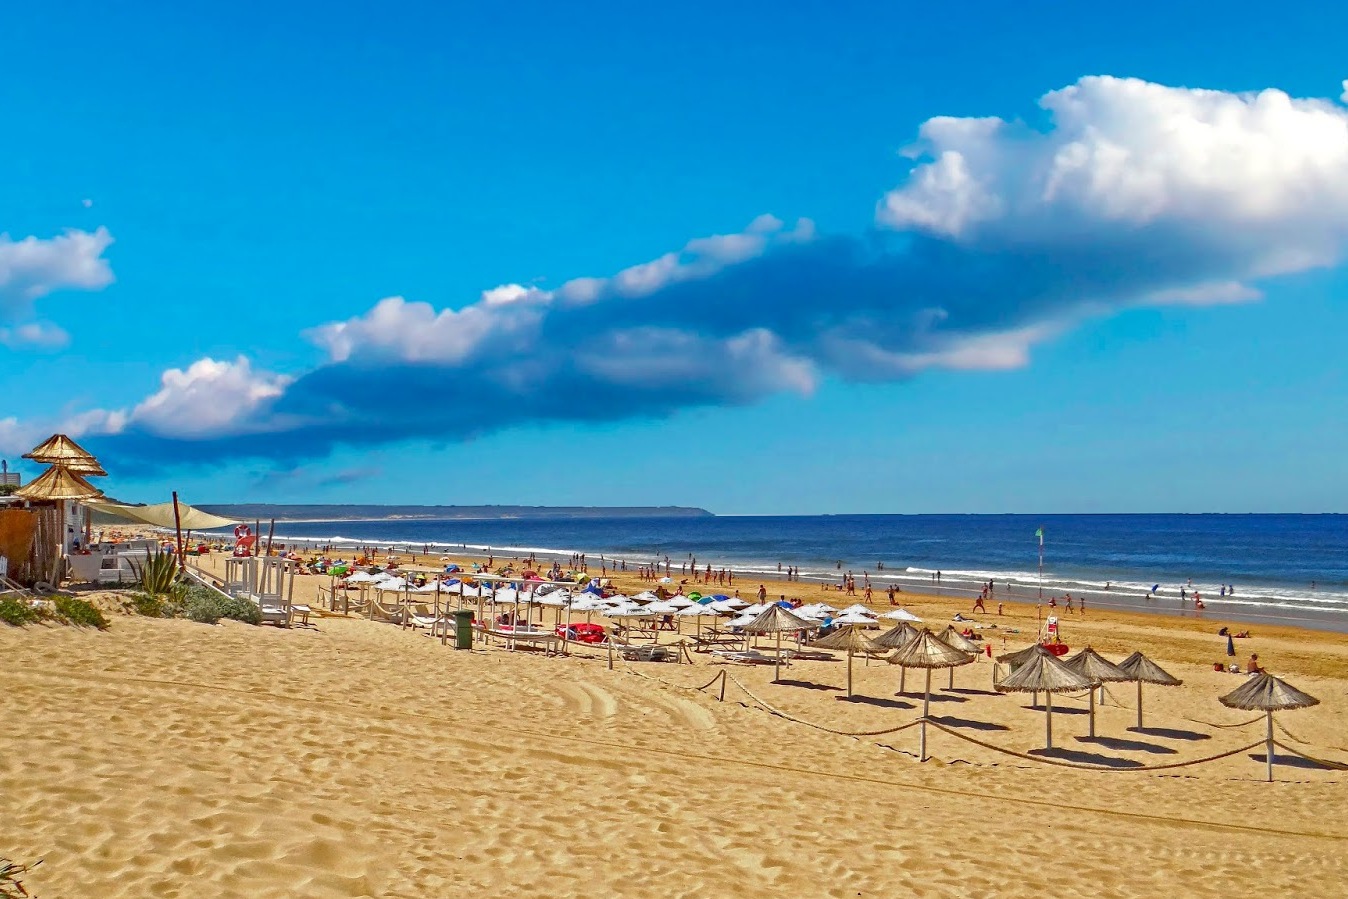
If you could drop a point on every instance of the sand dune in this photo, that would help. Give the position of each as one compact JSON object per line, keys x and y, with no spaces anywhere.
{"x":165,"y":758}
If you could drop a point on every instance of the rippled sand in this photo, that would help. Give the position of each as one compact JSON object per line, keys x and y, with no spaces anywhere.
{"x":166,"y":758}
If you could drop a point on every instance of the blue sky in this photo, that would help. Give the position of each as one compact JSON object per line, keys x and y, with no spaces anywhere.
{"x":267,"y":174}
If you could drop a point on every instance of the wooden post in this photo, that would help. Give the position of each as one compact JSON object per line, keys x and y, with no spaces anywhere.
{"x":1092,"y":718}
{"x":271,"y":529}
{"x":926,"y":705}
{"x":178,"y":527}
{"x":1139,"y":704}
{"x":1270,"y":746}
{"x":1048,"y":718}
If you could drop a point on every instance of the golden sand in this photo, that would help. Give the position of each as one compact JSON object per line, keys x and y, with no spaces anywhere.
{"x":352,"y":758}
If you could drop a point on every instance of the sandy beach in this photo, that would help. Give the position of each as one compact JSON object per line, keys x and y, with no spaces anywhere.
{"x":354,"y":758}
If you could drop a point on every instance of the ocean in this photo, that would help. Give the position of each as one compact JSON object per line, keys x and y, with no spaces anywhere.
{"x":1291,"y":568}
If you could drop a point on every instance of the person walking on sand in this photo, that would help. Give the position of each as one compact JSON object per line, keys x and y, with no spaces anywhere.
{"x":762,"y":594}
{"x":978,"y":605}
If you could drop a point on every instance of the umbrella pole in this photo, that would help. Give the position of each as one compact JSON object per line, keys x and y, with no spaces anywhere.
{"x":849,"y":672}
{"x":952,"y":678}
{"x":1092,"y":725}
{"x":1139,"y":705}
{"x":777,"y":662}
{"x":1270,"y":746}
{"x":903,"y":678}
{"x":926,"y":706}
{"x":444,"y":627}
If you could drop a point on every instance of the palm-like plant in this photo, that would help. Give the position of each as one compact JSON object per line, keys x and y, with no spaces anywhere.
{"x":156,"y":575}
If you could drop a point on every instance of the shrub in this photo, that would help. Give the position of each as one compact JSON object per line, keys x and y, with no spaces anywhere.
{"x":238,"y":609}
{"x":150,"y":606}
{"x":16,"y":612}
{"x":79,"y":612}
{"x":205,"y":609}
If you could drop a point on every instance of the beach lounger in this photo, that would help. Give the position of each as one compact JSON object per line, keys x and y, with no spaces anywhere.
{"x":647,"y":652}
{"x":749,"y":657}
{"x":380,"y":612}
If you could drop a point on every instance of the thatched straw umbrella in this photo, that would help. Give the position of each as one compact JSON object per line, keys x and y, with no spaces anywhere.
{"x":1018,"y":658}
{"x":58,"y":484}
{"x":926,"y":650}
{"x":58,"y":449}
{"x":1100,"y":670}
{"x":899,"y":635}
{"x":1268,"y":694}
{"x":1144,"y":670}
{"x":960,"y":642}
{"x":776,"y":620}
{"x":1043,"y":671}
{"x":853,"y":640}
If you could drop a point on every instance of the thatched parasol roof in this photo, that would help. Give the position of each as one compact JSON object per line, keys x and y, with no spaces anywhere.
{"x":1021,"y":656}
{"x":58,"y":483}
{"x":1043,"y":673}
{"x":959,"y":641}
{"x":775,"y":620}
{"x":851,"y":639}
{"x":897,"y":636}
{"x":58,"y":449}
{"x":1266,"y":693}
{"x":1099,"y":669}
{"x":927,"y":651}
{"x":1140,"y":668}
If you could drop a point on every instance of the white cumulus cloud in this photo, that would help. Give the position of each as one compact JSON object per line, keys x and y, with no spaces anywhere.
{"x":208,"y":398}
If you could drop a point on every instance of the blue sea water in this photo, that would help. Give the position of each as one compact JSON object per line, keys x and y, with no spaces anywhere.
{"x":1271,"y":560}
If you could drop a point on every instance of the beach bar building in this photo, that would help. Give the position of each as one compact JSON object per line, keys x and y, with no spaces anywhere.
{"x":46,"y":520}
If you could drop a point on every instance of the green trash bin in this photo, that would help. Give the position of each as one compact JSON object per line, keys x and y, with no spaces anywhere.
{"x":463,"y":629}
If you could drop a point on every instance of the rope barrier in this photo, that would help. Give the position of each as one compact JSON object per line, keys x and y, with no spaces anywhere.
{"x":1332,"y":765}
{"x":1039,"y":759}
{"x":1083,"y":765}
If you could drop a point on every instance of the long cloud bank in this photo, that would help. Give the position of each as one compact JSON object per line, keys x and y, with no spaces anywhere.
{"x":1002,"y":236}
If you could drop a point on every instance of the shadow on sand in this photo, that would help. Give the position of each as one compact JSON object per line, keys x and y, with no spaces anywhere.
{"x":1085,"y":758}
{"x":808,"y":685}
{"x":1290,"y":761}
{"x":952,"y":721}
{"x":1169,"y":733}
{"x":970,"y":691}
{"x":876,"y":701}
{"x":935,"y":697}
{"x":1127,"y":745}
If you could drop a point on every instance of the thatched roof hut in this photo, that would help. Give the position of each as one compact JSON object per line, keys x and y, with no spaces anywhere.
{"x":58,"y":449}
{"x":1268,"y":694}
{"x":1144,"y":670}
{"x":1042,"y":672}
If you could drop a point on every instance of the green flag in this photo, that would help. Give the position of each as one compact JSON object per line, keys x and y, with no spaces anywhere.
{"x":1040,"y":534}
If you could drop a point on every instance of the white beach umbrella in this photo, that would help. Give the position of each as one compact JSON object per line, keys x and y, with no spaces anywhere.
{"x":900,"y":615}
{"x":360,"y":577}
{"x":645,"y":596}
{"x":734,"y":602}
{"x":662,"y":607}
{"x":858,"y":609}
{"x":856,"y":618}
{"x":742,"y":619}
{"x":679,"y":601}
{"x":696,"y":610}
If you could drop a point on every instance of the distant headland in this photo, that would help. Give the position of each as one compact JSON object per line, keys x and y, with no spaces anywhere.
{"x":353,"y":512}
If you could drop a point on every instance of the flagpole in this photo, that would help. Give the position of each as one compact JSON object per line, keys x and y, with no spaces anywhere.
{"x":1041,"y":564}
